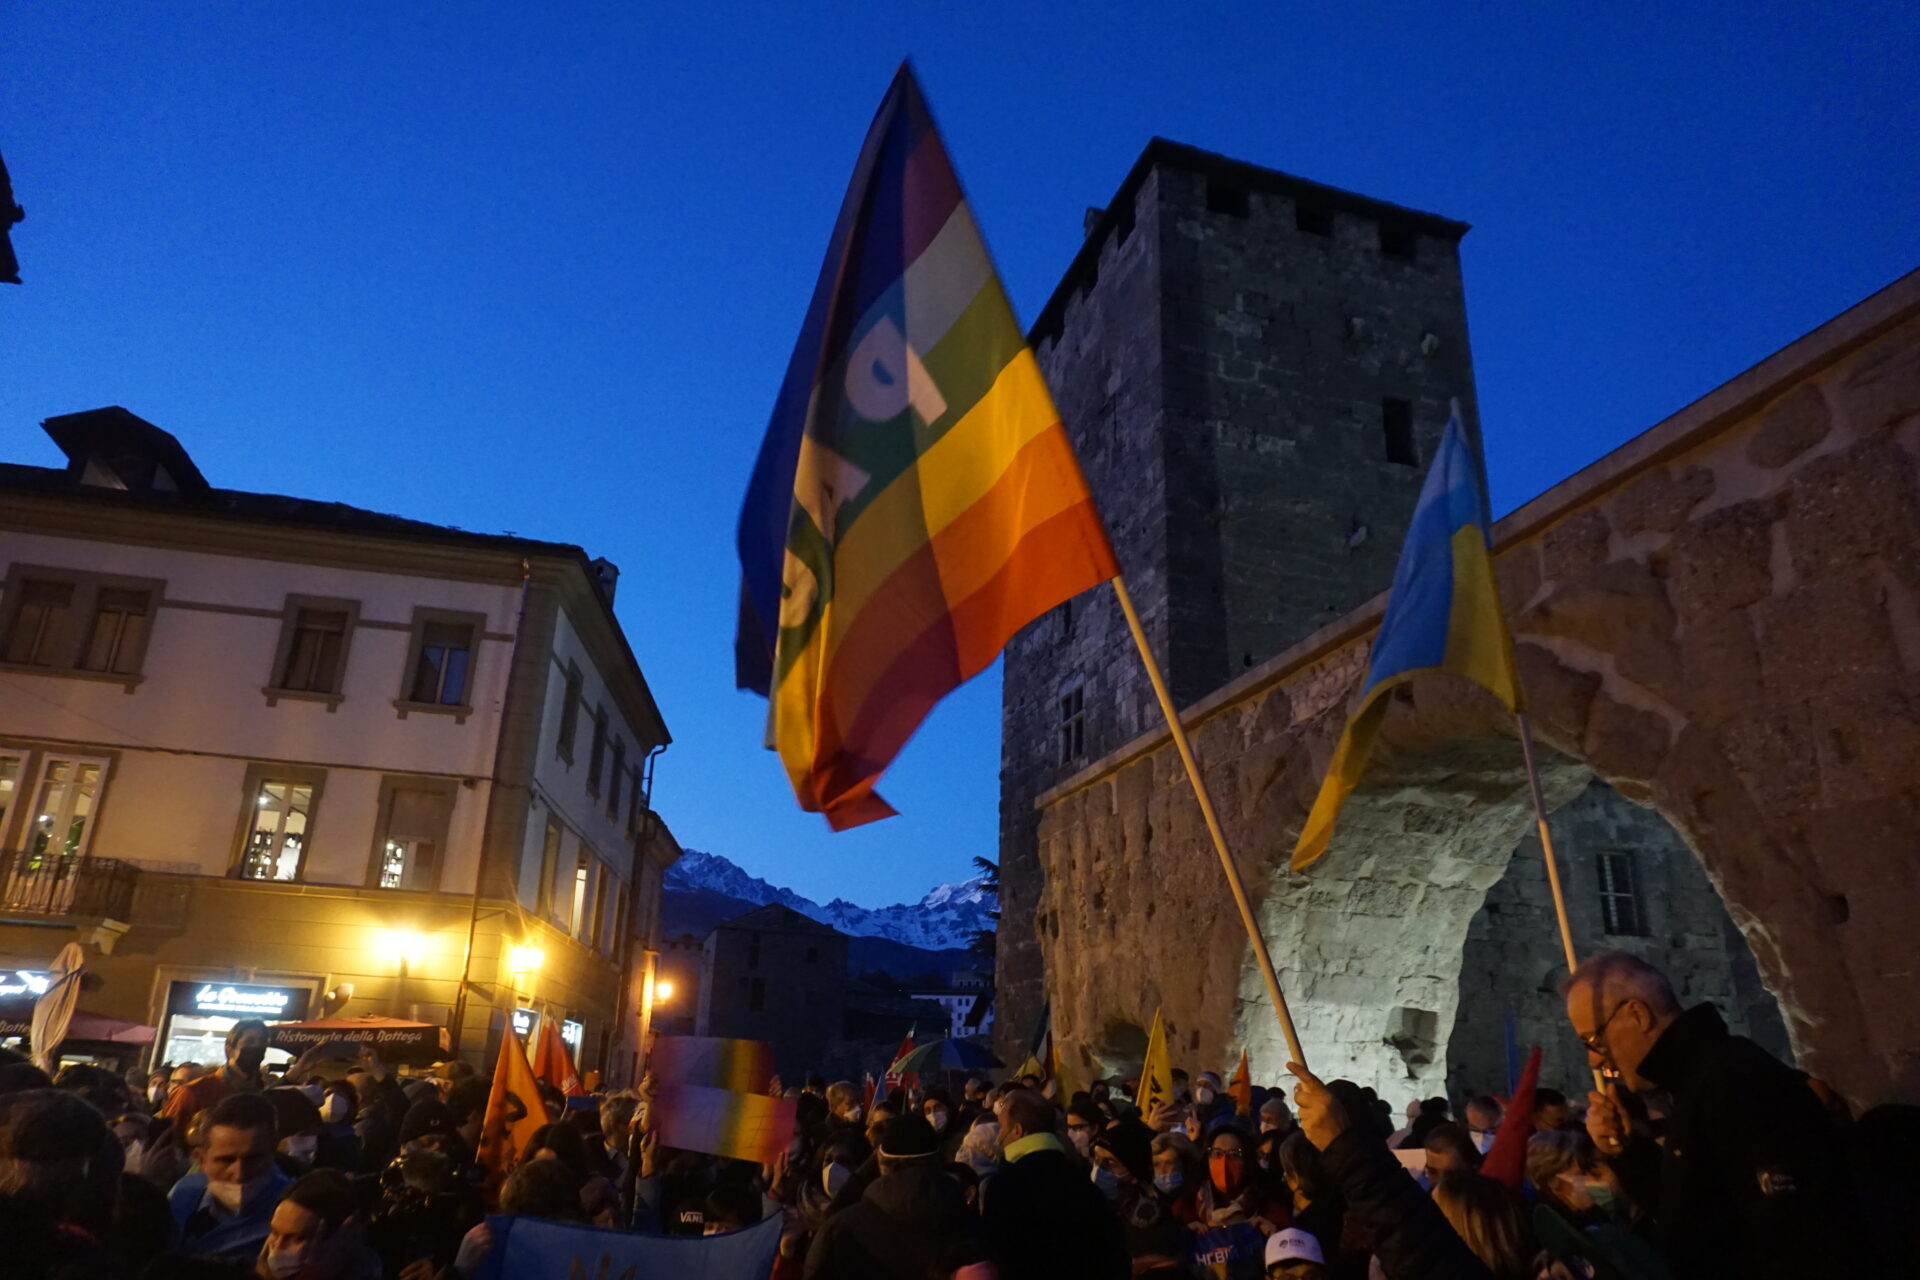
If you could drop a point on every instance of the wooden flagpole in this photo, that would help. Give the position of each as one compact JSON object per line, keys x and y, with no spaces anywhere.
{"x":1201,"y":794}
{"x":1553,"y":863}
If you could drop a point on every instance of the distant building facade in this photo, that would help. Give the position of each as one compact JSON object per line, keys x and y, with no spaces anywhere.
{"x":278,"y":757}
{"x":967,"y":1000}
{"x":777,"y":976}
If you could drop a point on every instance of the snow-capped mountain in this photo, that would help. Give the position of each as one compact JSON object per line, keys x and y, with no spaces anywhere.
{"x":947,"y":917}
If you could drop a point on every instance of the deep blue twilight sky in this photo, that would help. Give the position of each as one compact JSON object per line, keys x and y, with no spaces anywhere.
{"x":539,"y":267}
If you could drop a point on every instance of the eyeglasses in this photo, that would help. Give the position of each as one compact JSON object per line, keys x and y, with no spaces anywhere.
{"x":1596,"y":1043}
{"x":1219,"y":1154}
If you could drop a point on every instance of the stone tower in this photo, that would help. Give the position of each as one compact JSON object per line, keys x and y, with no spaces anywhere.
{"x":1254,"y":369}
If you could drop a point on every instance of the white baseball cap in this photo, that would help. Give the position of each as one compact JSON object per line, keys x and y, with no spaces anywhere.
{"x":1294,"y":1245}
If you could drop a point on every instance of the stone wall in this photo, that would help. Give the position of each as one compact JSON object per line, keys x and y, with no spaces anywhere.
{"x":1512,"y":963}
{"x":1222,"y":373}
{"x":1720,"y":620}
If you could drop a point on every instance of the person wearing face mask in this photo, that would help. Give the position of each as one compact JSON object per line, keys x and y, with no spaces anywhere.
{"x":1275,"y":1116}
{"x":846,"y":1117}
{"x":1564,"y":1171}
{"x":223,"y":1207}
{"x":1084,"y":1123}
{"x":937,"y":1107}
{"x":339,"y":1145}
{"x":1044,"y":1217}
{"x":1178,"y":1175}
{"x":1209,"y":1103}
{"x":297,"y":1122}
{"x":1237,"y":1190}
{"x":157,"y":1089}
{"x":313,"y":1235}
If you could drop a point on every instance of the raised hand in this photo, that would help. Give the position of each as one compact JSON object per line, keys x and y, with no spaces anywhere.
{"x":1320,"y":1114}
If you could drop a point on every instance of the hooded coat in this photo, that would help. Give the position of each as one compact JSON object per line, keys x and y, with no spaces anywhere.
{"x":910,"y":1222}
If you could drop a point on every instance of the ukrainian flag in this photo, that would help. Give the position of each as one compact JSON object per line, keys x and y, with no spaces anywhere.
{"x":1443,"y":615}
{"x":915,"y":501}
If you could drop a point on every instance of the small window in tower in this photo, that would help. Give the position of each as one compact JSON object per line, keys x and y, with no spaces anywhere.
{"x":1226,"y":197}
{"x":1397,"y":240}
{"x":1314,"y":219}
{"x":757,"y":995}
{"x":1620,"y":909}
{"x":1073,"y":725}
{"x":1397,"y":419}
{"x":1126,"y":225}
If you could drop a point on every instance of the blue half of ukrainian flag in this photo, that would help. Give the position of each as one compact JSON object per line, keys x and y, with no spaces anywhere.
{"x":1443,"y":615}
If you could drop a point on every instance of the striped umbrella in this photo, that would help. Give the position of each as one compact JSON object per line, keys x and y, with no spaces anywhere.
{"x":945,"y":1055}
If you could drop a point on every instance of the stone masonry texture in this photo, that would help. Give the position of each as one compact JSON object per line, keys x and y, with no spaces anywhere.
{"x":1720,"y":622}
{"x":1221,"y":362}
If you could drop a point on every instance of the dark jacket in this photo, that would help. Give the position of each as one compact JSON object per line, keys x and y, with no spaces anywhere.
{"x":909,"y":1224}
{"x":1751,"y":1179}
{"x":1411,"y":1237}
{"x":1046,"y":1219}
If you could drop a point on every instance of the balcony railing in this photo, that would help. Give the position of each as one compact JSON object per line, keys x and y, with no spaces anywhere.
{"x":59,"y":885}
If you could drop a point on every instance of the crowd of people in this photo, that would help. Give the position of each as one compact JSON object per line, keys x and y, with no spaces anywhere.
{"x":1703,"y":1156}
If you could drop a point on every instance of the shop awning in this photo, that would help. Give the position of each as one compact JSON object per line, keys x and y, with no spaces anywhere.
{"x":394,"y":1038}
{"x":97,"y":1028}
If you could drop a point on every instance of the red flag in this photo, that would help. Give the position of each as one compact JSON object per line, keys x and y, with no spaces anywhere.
{"x":1506,"y":1159}
{"x":866,"y":1092}
{"x":551,"y":1061}
{"x":893,"y":1080}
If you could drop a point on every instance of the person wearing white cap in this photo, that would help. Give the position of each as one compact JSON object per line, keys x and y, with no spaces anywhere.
{"x":1294,"y":1254}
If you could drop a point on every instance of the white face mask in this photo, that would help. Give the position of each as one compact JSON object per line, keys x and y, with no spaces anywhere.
{"x":231,"y":1195}
{"x":302,"y":1149}
{"x":1203,"y":1095}
{"x":1082,"y":1140}
{"x":854,"y":1113}
{"x":158,"y":1094}
{"x":285,"y":1263}
{"x":834,"y":1177}
{"x":938,"y":1119}
{"x":335,"y":1109}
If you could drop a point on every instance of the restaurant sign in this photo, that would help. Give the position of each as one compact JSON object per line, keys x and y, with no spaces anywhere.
{"x":233,"y":1000}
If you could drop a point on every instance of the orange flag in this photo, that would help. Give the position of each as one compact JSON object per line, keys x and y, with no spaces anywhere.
{"x":1240,"y":1088}
{"x":551,"y":1061}
{"x":514,"y":1113}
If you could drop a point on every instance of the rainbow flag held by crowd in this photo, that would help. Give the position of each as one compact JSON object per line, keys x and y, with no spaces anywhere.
{"x":915,"y":500}
{"x":722,"y":1122}
{"x":715,"y":1063}
{"x":1443,"y":615}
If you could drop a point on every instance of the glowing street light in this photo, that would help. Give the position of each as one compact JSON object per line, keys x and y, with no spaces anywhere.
{"x":662,"y":991}
{"x":525,"y":959}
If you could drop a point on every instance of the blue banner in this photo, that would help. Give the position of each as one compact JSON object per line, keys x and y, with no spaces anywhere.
{"x":540,"y":1249}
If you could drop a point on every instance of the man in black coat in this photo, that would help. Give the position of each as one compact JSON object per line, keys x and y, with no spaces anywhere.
{"x":912,"y":1222}
{"x":1750,"y":1180}
{"x":1044,"y":1217}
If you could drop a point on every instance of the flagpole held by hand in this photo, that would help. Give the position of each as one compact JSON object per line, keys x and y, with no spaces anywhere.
{"x":1185,"y":748}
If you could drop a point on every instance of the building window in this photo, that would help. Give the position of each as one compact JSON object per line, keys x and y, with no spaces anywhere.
{"x":598,"y":755}
{"x":1396,"y":418}
{"x":634,"y":808}
{"x":569,"y":714}
{"x":1226,"y":197}
{"x":62,"y":620}
{"x":34,"y":638}
{"x":118,"y":633}
{"x":11,"y":767}
{"x":1398,"y":240}
{"x":615,"y":778}
{"x":813,"y":955}
{"x":753,"y":951}
{"x":1073,"y":725}
{"x":582,"y":870}
{"x":282,"y":813}
{"x":417,"y":813}
{"x":549,"y":863}
{"x":1314,"y":219}
{"x":440,"y":661}
{"x":1620,"y":910}
{"x":757,"y":994}
{"x":595,"y":932}
{"x":312,"y":658}
{"x":65,"y":798}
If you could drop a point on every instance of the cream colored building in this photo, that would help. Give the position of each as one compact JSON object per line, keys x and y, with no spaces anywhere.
{"x":260,"y":751}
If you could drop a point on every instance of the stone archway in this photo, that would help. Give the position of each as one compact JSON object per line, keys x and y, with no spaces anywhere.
{"x":1721,"y":621}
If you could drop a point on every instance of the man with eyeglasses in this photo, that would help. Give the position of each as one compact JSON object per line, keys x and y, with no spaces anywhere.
{"x":1748,"y":1178}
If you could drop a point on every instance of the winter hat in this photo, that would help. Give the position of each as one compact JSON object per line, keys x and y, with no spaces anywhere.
{"x":908,"y":1137}
{"x":47,"y":1125}
{"x":427,"y":1118}
{"x":1131,"y":1143}
{"x":1294,"y":1245}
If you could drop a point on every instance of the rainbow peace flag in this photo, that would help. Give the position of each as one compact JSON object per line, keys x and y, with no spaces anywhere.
{"x":744,"y":1065}
{"x":1443,"y":615}
{"x":915,"y":501}
{"x":722,"y":1122}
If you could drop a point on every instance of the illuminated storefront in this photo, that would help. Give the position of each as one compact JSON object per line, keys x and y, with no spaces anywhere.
{"x":199,"y":1015}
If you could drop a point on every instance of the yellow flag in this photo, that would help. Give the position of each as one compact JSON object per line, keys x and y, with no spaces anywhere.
{"x":514,"y":1111}
{"x":1156,"y":1073}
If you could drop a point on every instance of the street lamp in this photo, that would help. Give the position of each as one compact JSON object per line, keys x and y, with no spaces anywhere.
{"x":662,"y":991}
